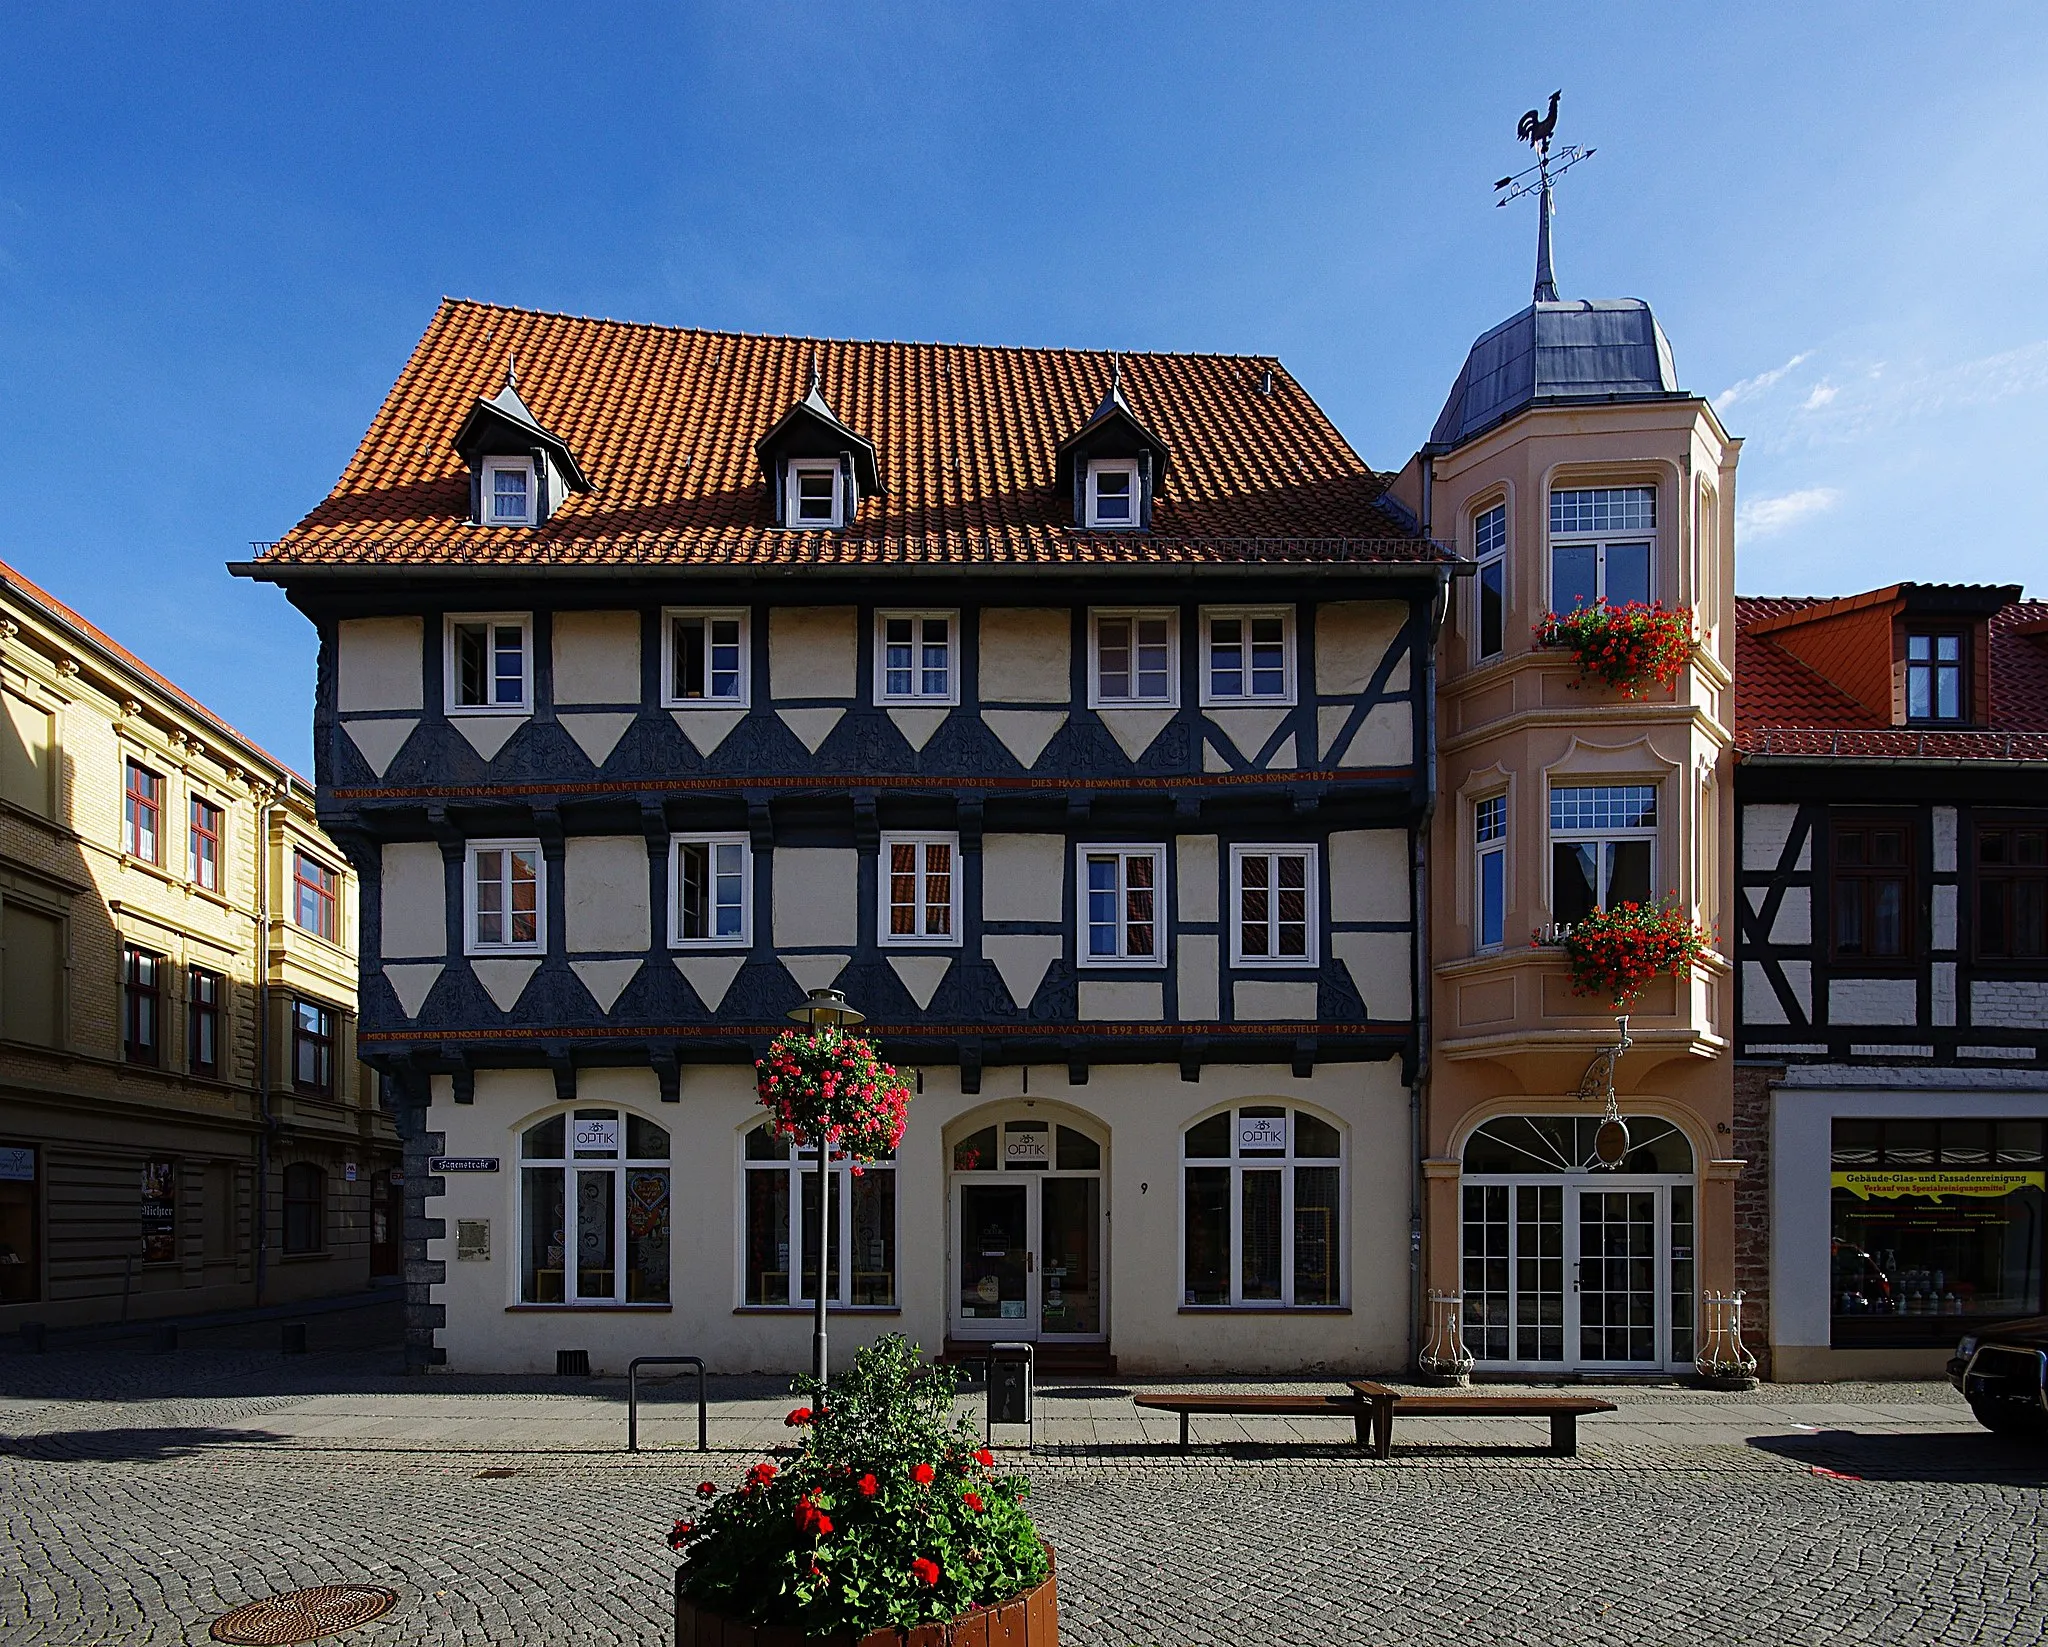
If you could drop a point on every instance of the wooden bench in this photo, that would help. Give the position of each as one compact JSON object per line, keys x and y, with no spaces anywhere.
{"x":1383,"y":1406}
{"x":1356,"y":1407}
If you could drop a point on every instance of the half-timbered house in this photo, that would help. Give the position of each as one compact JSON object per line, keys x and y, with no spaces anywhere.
{"x":1893,"y":1088}
{"x":1068,"y":712}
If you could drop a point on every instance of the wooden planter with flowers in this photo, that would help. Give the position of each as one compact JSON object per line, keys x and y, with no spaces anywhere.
{"x":886,"y":1523}
{"x":1631,"y":648}
{"x":1615,"y":953}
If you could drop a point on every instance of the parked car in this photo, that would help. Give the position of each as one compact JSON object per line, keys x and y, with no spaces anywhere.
{"x":2003,"y":1374}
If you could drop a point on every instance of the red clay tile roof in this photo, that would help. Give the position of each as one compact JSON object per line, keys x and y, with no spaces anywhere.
{"x":664,"y":419}
{"x":1782,"y":707}
{"x":60,"y":614}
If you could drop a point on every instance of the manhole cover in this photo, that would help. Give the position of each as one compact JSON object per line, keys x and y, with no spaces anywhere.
{"x":304,"y":1615}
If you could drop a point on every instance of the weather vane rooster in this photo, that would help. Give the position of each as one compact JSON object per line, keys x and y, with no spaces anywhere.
{"x":1534,"y":129}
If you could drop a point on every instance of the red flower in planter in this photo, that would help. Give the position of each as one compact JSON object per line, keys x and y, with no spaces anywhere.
{"x":972,"y":1501}
{"x":1628,"y":647}
{"x":925,"y":1570}
{"x":678,"y":1534}
{"x":869,"y":1486}
{"x":921,"y":1474}
{"x":811,"y":1519}
{"x":706,"y":1489}
{"x":761,"y":1474}
{"x":827,"y":1083}
{"x":798,"y":1418}
{"x":1618,"y":952}
{"x":984,"y":1458}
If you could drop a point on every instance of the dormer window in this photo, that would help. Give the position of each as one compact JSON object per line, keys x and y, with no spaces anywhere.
{"x":1934,"y":676}
{"x":1112,"y":493}
{"x":508,"y":492}
{"x":814,"y":494}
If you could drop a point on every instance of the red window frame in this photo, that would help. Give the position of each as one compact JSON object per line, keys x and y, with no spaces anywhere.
{"x":203,"y":991}
{"x":205,"y":822}
{"x":313,"y":1035}
{"x":142,"y":813}
{"x":142,"y":1005}
{"x":316,"y":895}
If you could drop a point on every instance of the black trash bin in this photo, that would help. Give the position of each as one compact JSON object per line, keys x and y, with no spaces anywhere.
{"x":1010,"y":1389}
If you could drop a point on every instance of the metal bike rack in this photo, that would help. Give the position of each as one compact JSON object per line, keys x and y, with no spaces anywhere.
{"x":633,"y":1396}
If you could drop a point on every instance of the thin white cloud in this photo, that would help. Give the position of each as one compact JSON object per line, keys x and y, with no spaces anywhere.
{"x":1750,"y":387}
{"x":1760,"y":517}
{"x":1822,"y":394}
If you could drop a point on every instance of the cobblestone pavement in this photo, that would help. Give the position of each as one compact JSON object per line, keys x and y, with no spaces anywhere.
{"x":142,"y":1496}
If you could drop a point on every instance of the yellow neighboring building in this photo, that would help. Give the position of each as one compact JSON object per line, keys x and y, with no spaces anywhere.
{"x":184,"y":1127}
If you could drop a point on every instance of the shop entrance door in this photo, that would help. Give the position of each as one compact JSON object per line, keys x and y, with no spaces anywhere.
{"x":992,"y":1253}
{"x":1618,"y":1292}
{"x":1027,"y":1236}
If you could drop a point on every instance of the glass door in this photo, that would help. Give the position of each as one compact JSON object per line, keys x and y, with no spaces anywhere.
{"x":1069,"y":1250}
{"x":1620,"y":1266}
{"x":993,"y":1258}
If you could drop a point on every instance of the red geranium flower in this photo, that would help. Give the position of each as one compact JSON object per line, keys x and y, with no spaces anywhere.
{"x":761,"y":1474}
{"x":984,"y":1457}
{"x":869,"y":1486}
{"x":800,"y":1416}
{"x":972,"y":1501}
{"x":921,"y":1474}
{"x":706,"y":1490}
{"x":678,"y":1534}
{"x":925,"y":1570}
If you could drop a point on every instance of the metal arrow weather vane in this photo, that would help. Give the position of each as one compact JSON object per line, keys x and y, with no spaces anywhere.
{"x":1534,"y":129}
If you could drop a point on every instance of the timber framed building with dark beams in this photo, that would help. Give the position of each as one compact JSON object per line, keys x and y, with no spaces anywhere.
{"x":1892,"y":1090}
{"x":1069,"y":712}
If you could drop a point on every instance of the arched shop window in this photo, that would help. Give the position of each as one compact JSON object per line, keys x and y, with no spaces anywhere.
{"x":1564,"y":1143}
{"x":594,"y":1188}
{"x":781,"y":1211}
{"x":1262,"y":1210}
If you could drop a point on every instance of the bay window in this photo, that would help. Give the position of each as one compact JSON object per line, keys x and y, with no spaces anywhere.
{"x":1490,"y":871}
{"x":1489,"y":549}
{"x":1600,"y":546}
{"x":1602,"y":844}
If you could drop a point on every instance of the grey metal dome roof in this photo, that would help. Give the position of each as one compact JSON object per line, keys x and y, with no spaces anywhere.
{"x":1605,"y":349}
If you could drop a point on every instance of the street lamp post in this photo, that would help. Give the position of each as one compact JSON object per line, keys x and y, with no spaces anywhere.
{"x":823,"y":1009}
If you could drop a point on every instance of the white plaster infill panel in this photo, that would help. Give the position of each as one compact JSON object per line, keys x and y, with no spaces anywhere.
{"x":412,"y":983}
{"x":1944,"y":819}
{"x":1794,"y":925}
{"x":1283,"y":756}
{"x":505,"y":980}
{"x":597,"y":734}
{"x":1760,"y":1003}
{"x":1249,"y":729}
{"x":706,"y":728}
{"x":1379,"y":966}
{"x":1766,"y":827}
{"x":379,"y":741}
{"x":1369,"y":875}
{"x":817,"y":897}
{"x":1021,"y":958}
{"x":487,"y":734}
{"x":1025,"y":732}
{"x":811,"y":726}
{"x":1195,"y":978}
{"x":1386,"y":738}
{"x":378,"y":663}
{"x":710,"y":976}
{"x":1799,"y":979}
{"x":1873,"y":1001}
{"x":605,"y":894}
{"x":1944,"y":917}
{"x":921,"y":975}
{"x":814,"y":971}
{"x":597,"y":657}
{"x":1026,"y":655}
{"x":412,"y":892}
{"x":1266,"y":1001}
{"x":918,"y":725}
{"x":812,"y":651}
{"x":1194,"y":868}
{"x":1942,"y":993}
{"x":1352,"y":636}
{"x":1105,"y":1000}
{"x":1023,"y":877}
{"x":1213,"y":759}
{"x":606,"y":980}
{"x":2013,"y":1003}
{"x":1135,"y":730}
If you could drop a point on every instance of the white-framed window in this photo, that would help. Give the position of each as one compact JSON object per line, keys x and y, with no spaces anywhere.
{"x":1490,"y":871}
{"x":505,"y":891}
{"x":920,"y":890}
{"x":713,"y":878}
{"x":1603,"y":842}
{"x":594,"y":1210}
{"x":1248,"y":655}
{"x":1601,"y":545}
{"x":1122,"y":918}
{"x":780,"y":1208}
{"x":816,"y":496}
{"x":510,"y":496}
{"x":1490,"y":583}
{"x":705,"y":658}
{"x":1114,"y":497}
{"x":1262,"y":1210}
{"x":490,"y":663}
{"x":1274,"y":906}
{"x":1136,"y":659}
{"x":917,"y":657}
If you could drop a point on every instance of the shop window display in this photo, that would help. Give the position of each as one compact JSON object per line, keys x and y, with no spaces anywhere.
{"x":781,"y":1217}
{"x":1932,"y":1222}
{"x":594,"y":1188}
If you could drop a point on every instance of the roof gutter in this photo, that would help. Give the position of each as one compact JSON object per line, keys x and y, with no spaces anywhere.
{"x":868,"y":570}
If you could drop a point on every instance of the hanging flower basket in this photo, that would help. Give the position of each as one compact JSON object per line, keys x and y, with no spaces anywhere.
{"x":1629,"y":648}
{"x":888,"y":1515}
{"x":1615,"y":953}
{"x":825,"y":1081}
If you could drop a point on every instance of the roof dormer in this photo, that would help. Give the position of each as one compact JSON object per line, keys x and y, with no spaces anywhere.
{"x":816,"y":469}
{"x":1113,"y":465}
{"x":519,"y":471}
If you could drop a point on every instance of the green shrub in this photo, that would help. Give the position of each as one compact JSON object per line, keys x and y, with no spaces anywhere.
{"x":889,"y":1512}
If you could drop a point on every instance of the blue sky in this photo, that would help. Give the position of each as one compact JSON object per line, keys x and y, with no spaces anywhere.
{"x":223,"y":227}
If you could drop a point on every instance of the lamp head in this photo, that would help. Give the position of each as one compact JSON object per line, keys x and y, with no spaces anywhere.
{"x":826,"y":1009}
